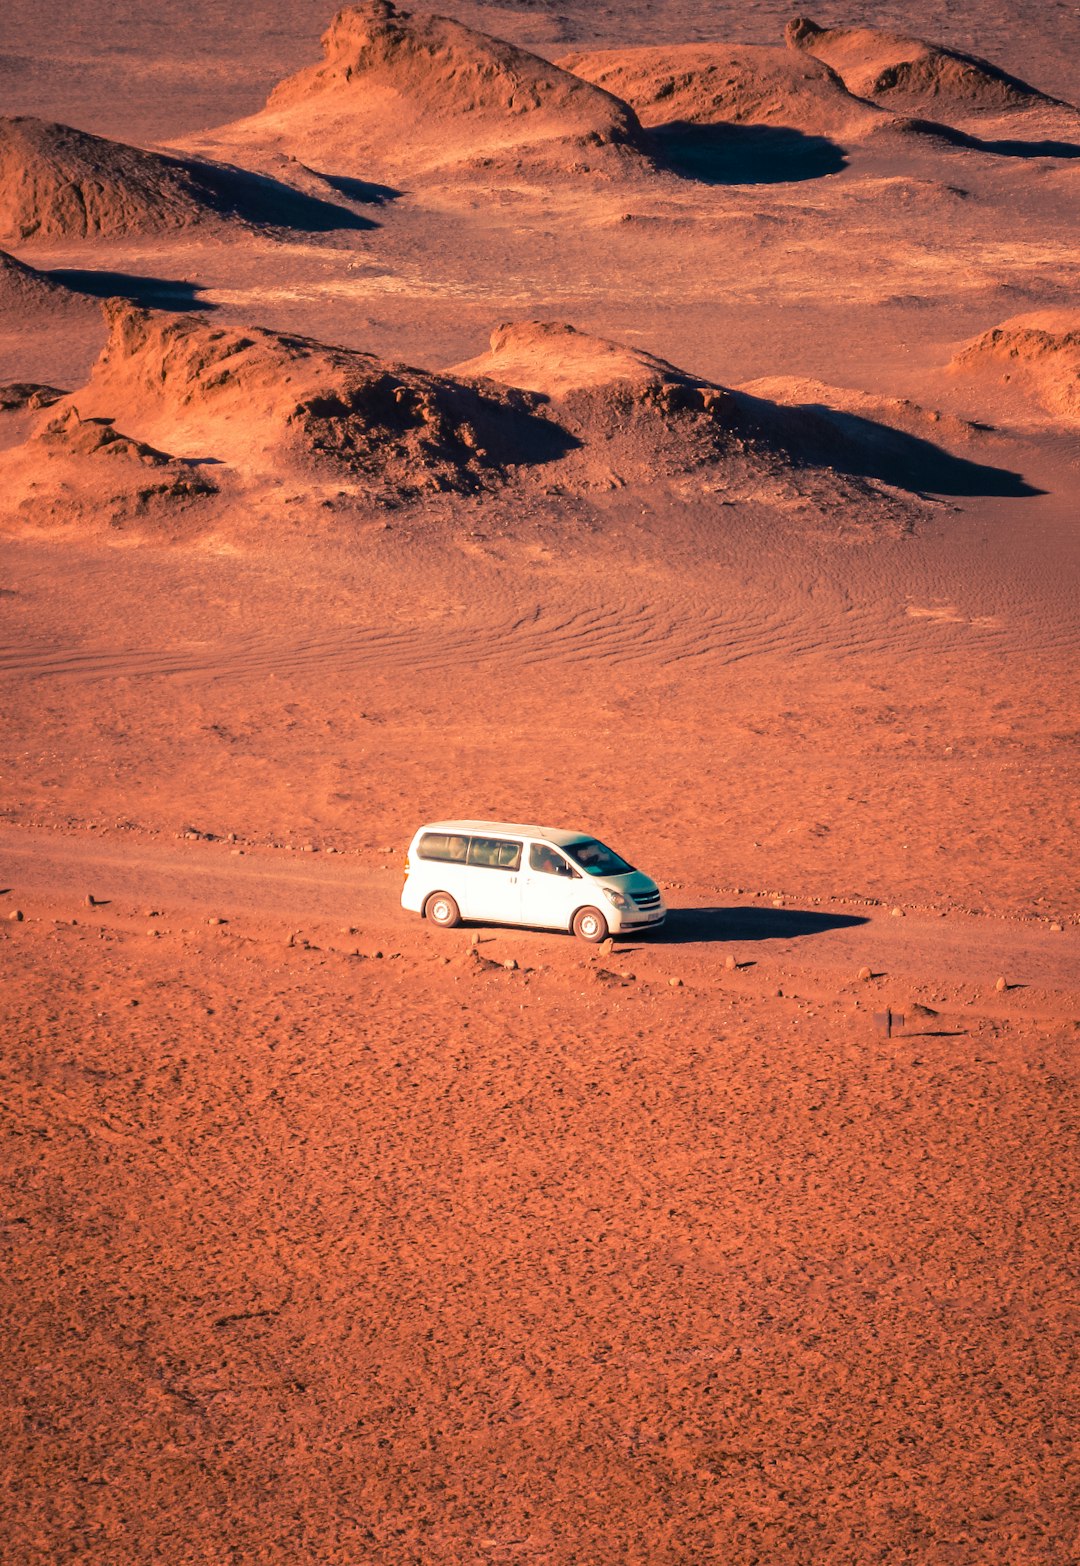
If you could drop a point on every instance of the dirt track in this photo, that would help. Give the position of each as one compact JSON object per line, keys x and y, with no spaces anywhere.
{"x":265,"y":894}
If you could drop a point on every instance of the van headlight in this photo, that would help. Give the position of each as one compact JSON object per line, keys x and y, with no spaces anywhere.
{"x":617,"y":900}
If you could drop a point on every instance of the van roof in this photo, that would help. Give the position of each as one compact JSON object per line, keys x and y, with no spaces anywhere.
{"x":559,"y":835}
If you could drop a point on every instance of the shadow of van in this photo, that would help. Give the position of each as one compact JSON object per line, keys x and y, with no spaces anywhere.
{"x":687,"y":926}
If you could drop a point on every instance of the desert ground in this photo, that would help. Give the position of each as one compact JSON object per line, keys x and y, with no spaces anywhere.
{"x":658,"y":419}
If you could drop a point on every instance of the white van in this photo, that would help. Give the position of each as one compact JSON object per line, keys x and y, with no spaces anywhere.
{"x":548,"y":877}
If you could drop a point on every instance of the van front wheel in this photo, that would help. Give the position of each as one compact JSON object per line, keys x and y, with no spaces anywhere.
{"x":590,"y":925}
{"x":441,"y":908}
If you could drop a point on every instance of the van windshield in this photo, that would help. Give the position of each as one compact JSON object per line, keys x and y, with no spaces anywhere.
{"x":595,"y":859}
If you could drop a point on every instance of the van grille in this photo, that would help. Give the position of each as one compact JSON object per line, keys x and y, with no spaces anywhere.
{"x":646,"y":899}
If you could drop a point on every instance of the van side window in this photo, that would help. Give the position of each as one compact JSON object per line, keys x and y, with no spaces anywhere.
{"x":545,"y":859}
{"x":449,"y":846}
{"x":495,"y":853}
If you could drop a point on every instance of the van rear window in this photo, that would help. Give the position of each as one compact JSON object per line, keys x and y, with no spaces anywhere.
{"x":494,"y":853}
{"x":449,"y":846}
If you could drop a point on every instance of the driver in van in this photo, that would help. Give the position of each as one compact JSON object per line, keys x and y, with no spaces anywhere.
{"x":547,"y":860}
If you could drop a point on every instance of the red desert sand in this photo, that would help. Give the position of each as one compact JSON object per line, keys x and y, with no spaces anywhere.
{"x":660,"y":420}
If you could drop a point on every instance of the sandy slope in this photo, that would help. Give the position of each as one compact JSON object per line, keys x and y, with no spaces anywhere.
{"x":732,"y":543}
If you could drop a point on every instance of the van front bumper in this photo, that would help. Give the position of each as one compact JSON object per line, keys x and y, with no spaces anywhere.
{"x":637,"y":920}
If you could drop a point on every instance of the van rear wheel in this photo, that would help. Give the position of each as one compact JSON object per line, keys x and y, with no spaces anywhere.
{"x":441,"y":908}
{"x":590,"y":925}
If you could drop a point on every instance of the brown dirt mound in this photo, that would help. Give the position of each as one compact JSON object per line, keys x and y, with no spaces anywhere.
{"x":716,"y":83}
{"x":265,"y":403}
{"x":56,"y":182}
{"x":61,"y":183}
{"x":555,"y":360}
{"x":74,"y":470}
{"x":28,"y":396}
{"x":909,"y":72}
{"x":1038,"y":352}
{"x":398,"y":92}
{"x":623,"y":406}
{"x":23,"y":287}
{"x":639,"y":417}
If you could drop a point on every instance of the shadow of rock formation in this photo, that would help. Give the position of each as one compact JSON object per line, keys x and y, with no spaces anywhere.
{"x":744,"y":154}
{"x":1009,"y":147}
{"x":265,"y":202}
{"x":364,"y":192}
{"x":153,"y":293}
{"x":861,"y":447}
